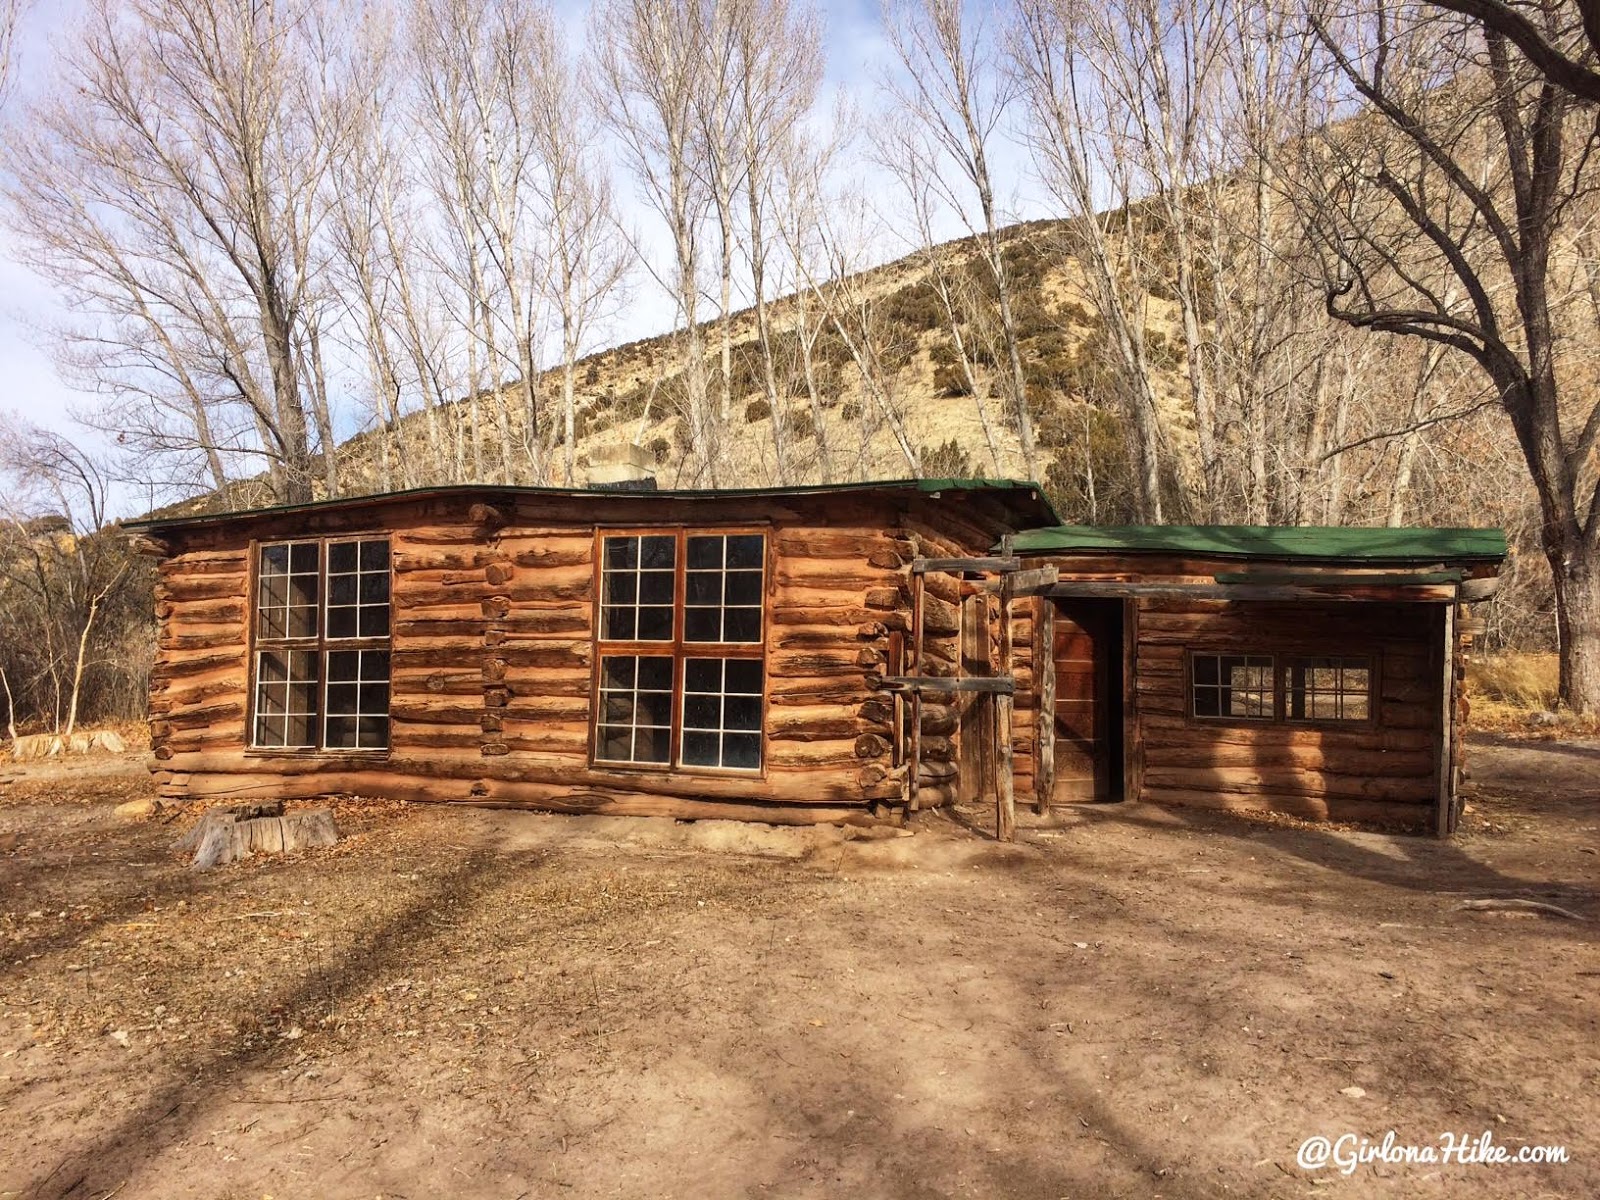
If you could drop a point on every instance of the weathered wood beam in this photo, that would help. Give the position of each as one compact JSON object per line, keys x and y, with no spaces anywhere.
{"x":993,"y":566}
{"x":994,"y":685}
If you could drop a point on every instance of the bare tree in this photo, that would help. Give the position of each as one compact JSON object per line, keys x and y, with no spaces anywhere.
{"x":11,"y":14}
{"x":650,"y":74}
{"x":588,"y":262}
{"x":58,"y":566}
{"x":1075,"y":132}
{"x":953,"y":87}
{"x":778,"y":58}
{"x":1441,"y":213}
{"x":169,"y":184}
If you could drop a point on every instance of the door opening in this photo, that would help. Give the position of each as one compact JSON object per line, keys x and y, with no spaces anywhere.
{"x":1088,"y":705}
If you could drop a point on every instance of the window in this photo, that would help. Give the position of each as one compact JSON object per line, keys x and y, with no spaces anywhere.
{"x":322,"y":645}
{"x":1233,"y":685}
{"x":1328,"y":689}
{"x":680,"y":670}
{"x":1269,"y":687}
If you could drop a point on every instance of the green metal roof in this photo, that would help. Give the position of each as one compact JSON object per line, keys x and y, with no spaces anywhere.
{"x":1028,"y":498}
{"x":1324,"y":543}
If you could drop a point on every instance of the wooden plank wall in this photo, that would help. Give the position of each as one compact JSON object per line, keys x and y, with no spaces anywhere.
{"x":1385,"y":771}
{"x":492,"y":658}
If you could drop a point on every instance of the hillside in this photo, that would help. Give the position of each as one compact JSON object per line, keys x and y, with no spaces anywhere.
{"x":634,"y":392}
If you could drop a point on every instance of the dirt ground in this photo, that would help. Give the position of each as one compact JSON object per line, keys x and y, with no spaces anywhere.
{"x":1138,"y":1002}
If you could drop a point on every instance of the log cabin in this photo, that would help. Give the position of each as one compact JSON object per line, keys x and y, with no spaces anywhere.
{"x":603,"y":650}
{"x":803,"y":654}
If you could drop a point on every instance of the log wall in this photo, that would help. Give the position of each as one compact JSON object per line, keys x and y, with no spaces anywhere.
{"x":493,"y":655}
{"x":1386,"y":770}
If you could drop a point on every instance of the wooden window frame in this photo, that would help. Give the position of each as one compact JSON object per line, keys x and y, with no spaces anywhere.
{"x":1374,"y":694}
{"x":1231,"y":718}
{"x":1280,"y":690}
{"x":319,"y":645}
{"x":678,"y":649}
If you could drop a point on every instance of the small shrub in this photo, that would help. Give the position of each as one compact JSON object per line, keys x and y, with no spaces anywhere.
{"x":947,"y":461}
{"x":757,"y":410}
{"x":851,"y":412}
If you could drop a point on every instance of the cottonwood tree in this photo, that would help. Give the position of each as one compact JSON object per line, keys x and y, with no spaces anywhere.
{"x":1444,"y":205}
{"x":587,"y":263}
{"x":951,"y":86}
{"x":11,"y":13}
{"x":1074,"y":131}
{"x":60,"y":568}
{"x":650,"y":72}
{"x":777,"y":51}
{"x":168,"y":183}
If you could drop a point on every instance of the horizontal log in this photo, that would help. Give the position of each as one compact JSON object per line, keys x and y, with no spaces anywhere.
{"x":1289,"y":781}
{"x":469,"y":778}
{"x":1314,"y":808}
{"x":990,"y":565}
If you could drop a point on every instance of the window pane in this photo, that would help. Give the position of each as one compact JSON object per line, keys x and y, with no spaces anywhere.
{"x":746,"y":550}
{"x":303,"y":558}
{"x":742,"y":751}
{"x":702,"y":750}
{"x":342,"y":557}
{"x":637,"y":571}
{"x":652,"y":745}
{"x":702,"y":624}
{"x":286,"y":699}
{"x":375,"y":622}
{"x":622,"y":552}
{"x":744,"y":675}
{"x":655,"y":587}
{"x":635,"y":709}
{"x":1328,"y":689}
{"x":702,"y":587}
{"x":1233,"y":685}
{"x":742,"y":712}
{"x":741,"y":625}
{"x":619,"y":624}
{"x":702,"y":675}
{"x":705,"y":553}
{"x":655,"y":674}
{"x":275,"y":559}
{"x":375,"y":555}
{"x":702,"y":712}
{"x":722,"y":713}
{"x":342,"y":623}
{"x":655,"y":624}
{"x":743,"y":587}
{"x":658,"y":552}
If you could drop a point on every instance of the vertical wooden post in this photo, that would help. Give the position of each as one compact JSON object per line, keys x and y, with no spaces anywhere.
{"x":1444,"y":813}
{"x":1132,"y":745}
{"x":915,"y":765}
{"x":1005,"y":823}
{"x":1044,"y":667}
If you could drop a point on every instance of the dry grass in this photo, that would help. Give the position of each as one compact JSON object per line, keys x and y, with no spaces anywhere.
{"x":1508,"y":692}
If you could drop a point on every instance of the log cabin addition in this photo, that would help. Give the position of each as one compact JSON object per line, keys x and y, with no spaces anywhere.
{"x":666,"y":653}
{"x":794,"y":655}
{"x":1313,"y":672}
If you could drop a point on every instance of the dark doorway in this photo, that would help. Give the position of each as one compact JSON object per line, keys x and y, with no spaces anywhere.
{"x":1088,"y":707}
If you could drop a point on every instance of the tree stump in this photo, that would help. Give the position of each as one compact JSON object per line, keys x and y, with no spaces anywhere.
{"x":226,"y":835}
